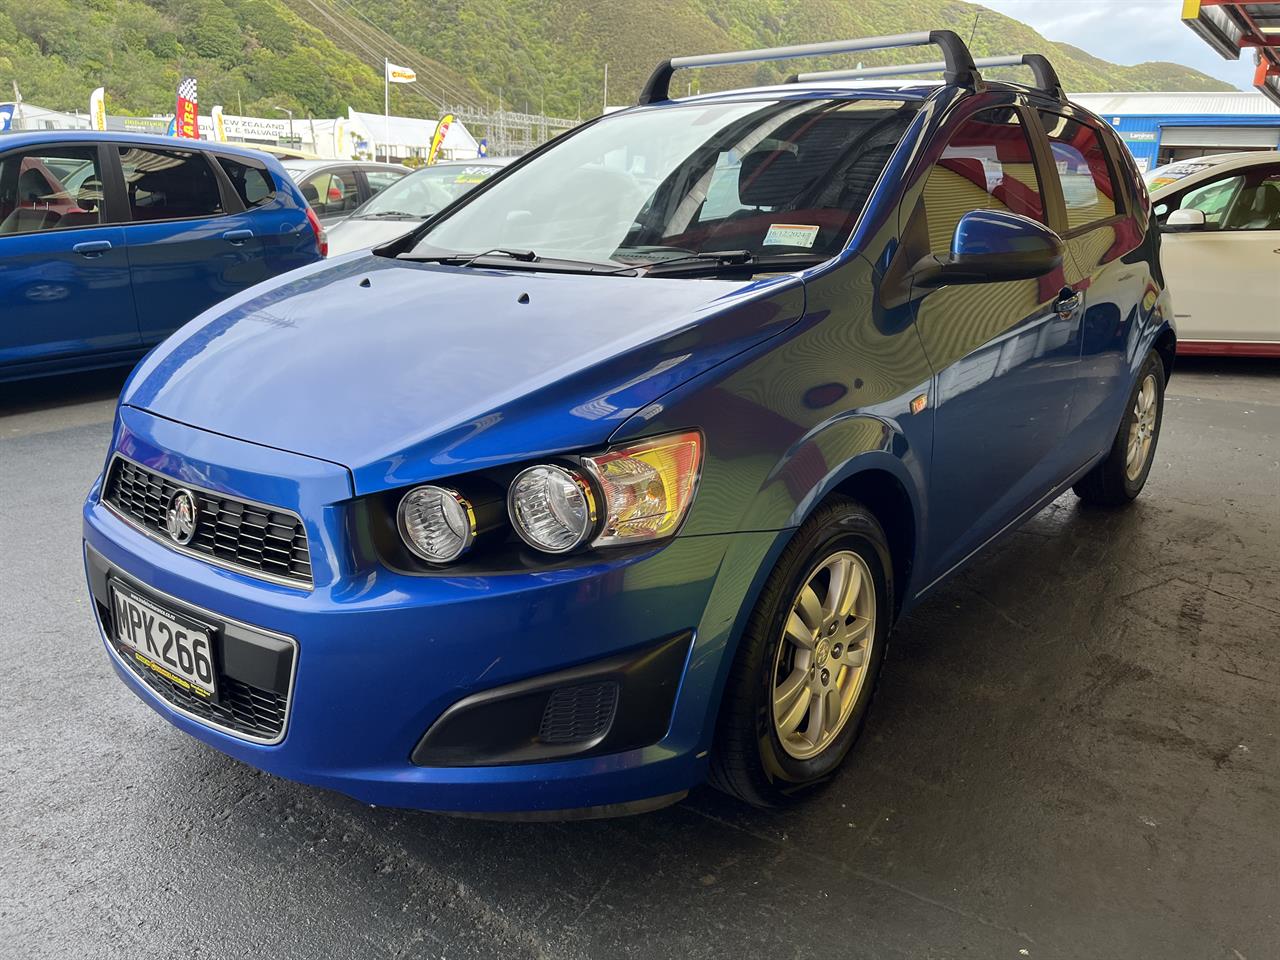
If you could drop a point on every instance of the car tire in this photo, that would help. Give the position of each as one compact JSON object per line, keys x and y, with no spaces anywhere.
{"x":1121,"y":475}
{"x":757,"y":756}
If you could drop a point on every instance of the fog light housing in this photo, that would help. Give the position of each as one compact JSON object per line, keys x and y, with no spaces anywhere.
{"x":552,"y":508}
{"x":436,"y":523}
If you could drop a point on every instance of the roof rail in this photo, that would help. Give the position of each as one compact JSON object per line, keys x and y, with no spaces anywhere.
{"x":1047,"y":81}
{"x":957,"y":65}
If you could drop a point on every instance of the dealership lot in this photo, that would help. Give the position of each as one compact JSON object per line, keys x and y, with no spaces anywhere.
{"x":1073,"y":754}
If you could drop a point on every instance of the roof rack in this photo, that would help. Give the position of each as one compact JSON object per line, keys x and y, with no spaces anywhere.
{"x":957,"y":64}
{"x":1047,"y":81}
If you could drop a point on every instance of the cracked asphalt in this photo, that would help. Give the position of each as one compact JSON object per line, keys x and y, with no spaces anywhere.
{"x":1073,"y":754}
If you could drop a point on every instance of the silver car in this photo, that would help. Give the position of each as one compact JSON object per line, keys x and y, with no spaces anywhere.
{"x":404,"y":204}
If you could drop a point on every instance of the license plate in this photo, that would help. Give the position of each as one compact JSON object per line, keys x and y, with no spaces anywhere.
{"x":163,"y":642}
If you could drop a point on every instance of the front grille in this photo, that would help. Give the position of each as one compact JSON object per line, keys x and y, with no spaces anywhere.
{"x":241,"y":707}
{"x":233,"y":532}
{"x":579,"y":714}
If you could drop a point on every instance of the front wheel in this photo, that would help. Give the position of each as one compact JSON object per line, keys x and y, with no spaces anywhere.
{"x":801,"y":683}
{"x":1120,"y":477}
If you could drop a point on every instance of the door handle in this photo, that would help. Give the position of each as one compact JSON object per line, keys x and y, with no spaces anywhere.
{"x":1068,"y":302}
{"x":92,"y":248}
{"x":237,"y":237}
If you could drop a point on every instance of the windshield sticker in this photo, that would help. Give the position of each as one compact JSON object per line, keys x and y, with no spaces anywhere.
{"x":791,"y":235}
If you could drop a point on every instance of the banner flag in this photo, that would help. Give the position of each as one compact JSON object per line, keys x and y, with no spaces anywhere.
{"x":219,"y":129}
{"x":98,"y":109}
{"x":442,"y":128}
{"x":483,"y":149}
{"x":187,"y":120}
{"x":400,"y":74}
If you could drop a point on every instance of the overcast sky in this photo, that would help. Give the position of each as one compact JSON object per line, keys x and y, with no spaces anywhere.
{"x":1126,"y":31}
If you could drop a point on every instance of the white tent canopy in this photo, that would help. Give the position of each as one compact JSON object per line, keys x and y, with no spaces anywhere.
{"x":409,"y":137}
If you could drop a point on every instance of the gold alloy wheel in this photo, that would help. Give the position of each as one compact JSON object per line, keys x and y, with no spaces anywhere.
{"x":823,"y":658}
{"x":1143,"y":429}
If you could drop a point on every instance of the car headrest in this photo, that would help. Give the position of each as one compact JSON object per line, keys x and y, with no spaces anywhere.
{"x":770,"y":178}
{"x":31,"y":186}
{"x":310,"y":193}
{"x":90,"y":194}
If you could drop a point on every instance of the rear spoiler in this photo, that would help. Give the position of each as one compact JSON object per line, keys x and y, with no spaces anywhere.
{"x":957,"y":64}
{"x":1046,"y":78}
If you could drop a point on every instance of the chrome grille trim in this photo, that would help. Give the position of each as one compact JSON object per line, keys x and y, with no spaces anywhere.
{"x":227,"y":523}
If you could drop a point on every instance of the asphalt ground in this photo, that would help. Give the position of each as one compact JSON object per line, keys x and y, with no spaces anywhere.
{"x":1073,"y":754}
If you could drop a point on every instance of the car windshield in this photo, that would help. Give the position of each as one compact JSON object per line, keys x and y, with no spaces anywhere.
{"x":759,"y":179}
{"x":427,"y":191}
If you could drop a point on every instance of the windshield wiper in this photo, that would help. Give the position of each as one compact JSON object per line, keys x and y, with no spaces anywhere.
{"x":713,"y":259}
{"x":727,"y":257}
{"x":521,"y":258}
{"x":397,"y":214}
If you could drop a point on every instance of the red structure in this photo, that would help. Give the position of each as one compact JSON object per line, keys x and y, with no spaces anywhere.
{"x":1230,"y":28}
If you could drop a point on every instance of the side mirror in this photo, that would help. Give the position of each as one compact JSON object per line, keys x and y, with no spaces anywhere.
{"x":1183,"y":220}
{"x":990,"y":246}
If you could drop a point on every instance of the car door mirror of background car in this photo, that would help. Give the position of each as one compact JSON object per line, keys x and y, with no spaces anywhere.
{"x":990,"y":246}
{"x":1181,"y":221}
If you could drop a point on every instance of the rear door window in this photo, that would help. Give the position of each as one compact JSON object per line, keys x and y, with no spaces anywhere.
{"x":169,"y":184}
{"x":50,"y":188}
{"x":331,"y":191}
{"x":253,"y":184}
{"x":987,"y":165}
{"x":1088,"y":186}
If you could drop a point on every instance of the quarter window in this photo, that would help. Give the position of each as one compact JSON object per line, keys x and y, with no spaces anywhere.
{"x":169,"y":184}
{"x":986,"y":166}
{"x":253,"y":184}
{"x":54,"y":188}
{"x":1087,"y":184}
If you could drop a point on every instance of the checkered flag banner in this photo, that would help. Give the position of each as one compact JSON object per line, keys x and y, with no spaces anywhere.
{"x":187,"y":118}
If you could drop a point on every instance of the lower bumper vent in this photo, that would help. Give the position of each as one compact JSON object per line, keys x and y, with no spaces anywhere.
{"x":579,"y":714}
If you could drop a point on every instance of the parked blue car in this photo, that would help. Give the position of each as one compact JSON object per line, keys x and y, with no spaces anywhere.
{"x":110,"y":242}
{"x":614,"y":476}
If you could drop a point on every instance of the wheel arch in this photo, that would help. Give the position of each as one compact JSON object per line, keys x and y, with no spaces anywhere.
{"x":1166,"y":347}
{"x":885,"y":494}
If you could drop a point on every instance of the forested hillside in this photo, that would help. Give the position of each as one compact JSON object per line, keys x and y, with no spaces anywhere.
{"x":323,"y":55}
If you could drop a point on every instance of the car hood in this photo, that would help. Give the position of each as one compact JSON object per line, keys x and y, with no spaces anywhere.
{"x":405,"y":372}
{"x":357,"y":233}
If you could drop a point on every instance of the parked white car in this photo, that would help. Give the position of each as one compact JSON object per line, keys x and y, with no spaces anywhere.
{"x":407,"y":203}
{"x":1220,"y":251}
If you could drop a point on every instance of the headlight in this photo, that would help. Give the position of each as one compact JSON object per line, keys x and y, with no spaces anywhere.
{"x":647,"y":487}
{"x":436,"y":523}
{"x":553,"y":509}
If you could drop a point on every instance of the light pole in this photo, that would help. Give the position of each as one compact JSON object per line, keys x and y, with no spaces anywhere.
{"x":292,"y":142}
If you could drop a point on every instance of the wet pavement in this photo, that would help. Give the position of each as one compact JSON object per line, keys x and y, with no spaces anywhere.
{"x":1073,"y":753}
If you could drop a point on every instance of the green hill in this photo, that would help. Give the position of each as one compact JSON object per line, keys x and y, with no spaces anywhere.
{"x":323,"y":55}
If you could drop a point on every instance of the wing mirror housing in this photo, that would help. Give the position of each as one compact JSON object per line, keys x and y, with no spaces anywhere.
{"x":1183,"y":220}
{"x":990,"y":246}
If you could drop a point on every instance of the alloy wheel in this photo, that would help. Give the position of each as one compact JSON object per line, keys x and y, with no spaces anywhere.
{"x":823,"y":658}
{"x":1143,"y":429}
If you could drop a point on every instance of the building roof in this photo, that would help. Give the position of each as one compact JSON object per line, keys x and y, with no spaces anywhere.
{"x":1225,"y":103}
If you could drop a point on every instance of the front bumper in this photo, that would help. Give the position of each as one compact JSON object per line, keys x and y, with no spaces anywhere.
{"x":382,"y":656}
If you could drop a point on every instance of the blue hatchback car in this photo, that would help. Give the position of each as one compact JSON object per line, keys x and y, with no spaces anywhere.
{"x":614,"y":476}
{"x":110,"y":242}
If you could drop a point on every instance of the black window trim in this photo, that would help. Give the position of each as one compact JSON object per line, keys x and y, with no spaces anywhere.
{"x":231,"y":203}
{"x":111,"y":184}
